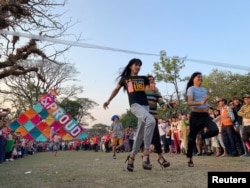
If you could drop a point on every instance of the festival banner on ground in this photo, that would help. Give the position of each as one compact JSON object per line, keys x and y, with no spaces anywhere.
{"x":45,"y":118}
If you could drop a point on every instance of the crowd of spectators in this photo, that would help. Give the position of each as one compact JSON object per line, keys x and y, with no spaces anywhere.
{"x":173,"y":133}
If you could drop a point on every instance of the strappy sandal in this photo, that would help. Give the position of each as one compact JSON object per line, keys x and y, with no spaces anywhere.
{"x":130,"y":166}
{"x":146,"y":165}
{"x":163,"y":162}
{"x":190,"y":163}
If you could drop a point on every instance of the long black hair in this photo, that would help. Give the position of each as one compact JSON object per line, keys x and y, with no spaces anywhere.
{"x":191,"y":80}
{"x":127,"y":71}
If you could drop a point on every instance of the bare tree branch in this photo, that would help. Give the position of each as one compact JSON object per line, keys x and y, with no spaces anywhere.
{"x":30,"y":16}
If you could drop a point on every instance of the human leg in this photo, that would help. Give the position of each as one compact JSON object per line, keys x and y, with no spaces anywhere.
{"x":137,"y":142}
{"x":3,"y":142}
{"x":212,"y":129}
{"x":191,"y":143}
{"x":130,"y":160}
{"x":145,"y":130}
{"x":225,"y":132}
{"x":120,"y":143}
{"x":194,"y":129}
{"x":148,"y":129}
{"x":196,"y":125}
{"x":114,"y":143}
{"x":245,"y":138}
{"x":131,"y":142}
{"x":168,"y":140}
{"x":138,"y":138}
{"x":198,"y":143}
{"x":148,"y":135}
{"x":106,"y":146}
{"x":156,"y":141}
{"x":145,"y":127}
{"x":232,"y":141}
{"x":243,"y":144}
{"x":56,"y":148}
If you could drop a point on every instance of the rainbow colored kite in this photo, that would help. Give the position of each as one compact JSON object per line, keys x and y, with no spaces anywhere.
{"x":45,"y":118}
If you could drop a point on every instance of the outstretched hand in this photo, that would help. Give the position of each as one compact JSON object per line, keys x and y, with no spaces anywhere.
{"x":105,"y":105}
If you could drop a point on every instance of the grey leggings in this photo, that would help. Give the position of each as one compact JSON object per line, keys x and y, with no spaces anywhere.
{"x":145,"y":126}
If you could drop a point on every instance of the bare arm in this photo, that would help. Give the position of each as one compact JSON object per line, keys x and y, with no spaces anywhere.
{"x":217,"y":119}
{"x":113,"y":94}
{"x":191,"y":101}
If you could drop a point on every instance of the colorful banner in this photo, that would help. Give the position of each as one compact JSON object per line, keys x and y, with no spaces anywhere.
{"x":46,"y":118}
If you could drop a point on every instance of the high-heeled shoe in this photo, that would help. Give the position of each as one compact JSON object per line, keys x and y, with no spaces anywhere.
{"x":130,"y":166}
{"x":190,"y":163}
{"x":163,"y":162}
{"x":146,"y":165}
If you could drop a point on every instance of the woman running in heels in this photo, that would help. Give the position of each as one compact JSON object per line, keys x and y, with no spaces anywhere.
{"x":135,"y":87}
{"x":155,"y":99}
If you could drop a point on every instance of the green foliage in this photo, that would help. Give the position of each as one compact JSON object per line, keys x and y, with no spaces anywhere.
{"x":128,"y":119}
{"x":220,"y":84}
{"x":72,"y":107}
{"x":168,"y":71}
{"x":99,"y":129}
{"x":225,"y":84}
{"x":79,"y":108}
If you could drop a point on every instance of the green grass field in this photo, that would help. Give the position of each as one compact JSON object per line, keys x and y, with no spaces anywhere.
{"x":99,"y":170}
